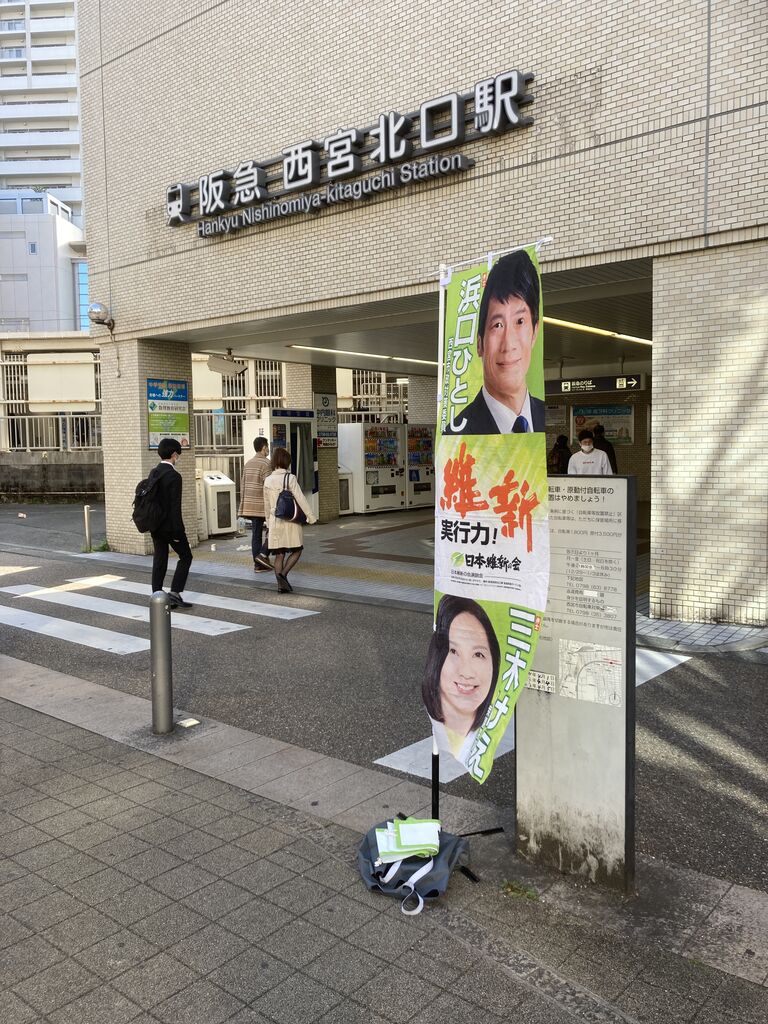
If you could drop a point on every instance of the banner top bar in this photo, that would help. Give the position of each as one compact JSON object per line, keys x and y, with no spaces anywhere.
{"x":445,"y":270}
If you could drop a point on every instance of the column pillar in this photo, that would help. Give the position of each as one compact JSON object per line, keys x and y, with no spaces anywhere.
{"x":5,"y":441}
{"x":125,"y":367}
{"x":302,"y":383}
{"x":422,"y":400}
{"x":709,"y":505}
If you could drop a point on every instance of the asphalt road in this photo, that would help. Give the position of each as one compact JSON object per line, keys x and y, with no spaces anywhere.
{"x":346,"y":682}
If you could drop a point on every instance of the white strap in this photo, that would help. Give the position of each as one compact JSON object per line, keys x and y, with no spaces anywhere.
{"x":411,"y":884}
{"x":392,"y":871}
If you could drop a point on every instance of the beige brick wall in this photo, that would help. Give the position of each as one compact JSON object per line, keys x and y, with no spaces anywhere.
{"x":709,"y":518}
{"x":422,"y":399}
{"x":297,"y":386}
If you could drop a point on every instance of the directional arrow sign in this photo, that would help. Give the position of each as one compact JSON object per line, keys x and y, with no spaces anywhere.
{"x":593,"y":385}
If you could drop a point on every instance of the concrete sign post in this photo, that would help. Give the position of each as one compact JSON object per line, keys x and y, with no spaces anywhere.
{"x":576,"y":717}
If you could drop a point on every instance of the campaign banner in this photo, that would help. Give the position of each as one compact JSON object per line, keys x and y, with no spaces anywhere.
{"x":491,"y":509}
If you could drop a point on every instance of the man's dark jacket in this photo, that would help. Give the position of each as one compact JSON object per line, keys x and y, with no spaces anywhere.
{"x":169,"y":498}
{"x":605,"y":446}
{"x":480,"y":419}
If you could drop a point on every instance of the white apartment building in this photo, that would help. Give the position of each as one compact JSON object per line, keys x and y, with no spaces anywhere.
{"x":39,"y":104}
{"x":43,"y":273}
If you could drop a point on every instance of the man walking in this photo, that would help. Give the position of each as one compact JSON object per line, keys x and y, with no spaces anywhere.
{"x":255,"y":473}
{"x":171,"y":529}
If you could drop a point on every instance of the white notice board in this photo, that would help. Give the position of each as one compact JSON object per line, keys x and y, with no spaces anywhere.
{"x":575,"y":718}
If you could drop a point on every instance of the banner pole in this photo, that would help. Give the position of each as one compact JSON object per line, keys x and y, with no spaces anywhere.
{"x":445,"y":276}
{"x":435,"y":779}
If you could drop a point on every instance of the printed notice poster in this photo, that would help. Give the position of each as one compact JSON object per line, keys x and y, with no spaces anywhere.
{"x":618,"y":420}
{"x":168,"y":411}
{"x":491,"y":527}
{"x":326,"y":417}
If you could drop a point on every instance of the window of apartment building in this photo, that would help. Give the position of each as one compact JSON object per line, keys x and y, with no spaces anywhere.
{"x":80,"y":268}
{"x":34,"y":205}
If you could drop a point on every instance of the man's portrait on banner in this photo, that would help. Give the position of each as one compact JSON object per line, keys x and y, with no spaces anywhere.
{"x":508,"y":330}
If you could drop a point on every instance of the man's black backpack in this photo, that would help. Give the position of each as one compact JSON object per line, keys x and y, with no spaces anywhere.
{"x":148,"y":513}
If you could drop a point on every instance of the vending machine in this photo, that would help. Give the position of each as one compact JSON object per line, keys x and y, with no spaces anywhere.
{"x":375,"y":455}
{"x":296,"y":430}
{"x":420,"y":477}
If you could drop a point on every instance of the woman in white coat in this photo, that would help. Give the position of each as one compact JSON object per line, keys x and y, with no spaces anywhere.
{"x":285,"y":538}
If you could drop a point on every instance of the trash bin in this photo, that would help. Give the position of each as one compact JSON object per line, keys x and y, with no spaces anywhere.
{"x":202,"y":511}
{"x":219,"y":502}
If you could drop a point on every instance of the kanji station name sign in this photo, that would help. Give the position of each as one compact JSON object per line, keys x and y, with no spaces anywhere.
{"x":398,"y":150}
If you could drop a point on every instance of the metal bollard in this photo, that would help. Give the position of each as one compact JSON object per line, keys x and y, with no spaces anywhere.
{"x":162,"y":673}
{"x":87,"y":521}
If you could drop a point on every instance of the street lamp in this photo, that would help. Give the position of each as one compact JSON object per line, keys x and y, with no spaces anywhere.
{"x":99,"y":314}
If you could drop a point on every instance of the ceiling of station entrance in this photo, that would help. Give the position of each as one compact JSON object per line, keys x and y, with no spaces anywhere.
{"x":615,"y":297}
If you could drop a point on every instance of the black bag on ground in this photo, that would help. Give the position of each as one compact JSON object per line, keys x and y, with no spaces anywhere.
{"x":414,"y":879}
{"x":286,"y":506}
{"x":148,"y":513}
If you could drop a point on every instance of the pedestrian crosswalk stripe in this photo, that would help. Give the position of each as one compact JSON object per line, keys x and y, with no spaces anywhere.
{"x":122,"y":609}
{"x":8,"y":570}
{"x":199,"y":599}
{"x":74,"y":632}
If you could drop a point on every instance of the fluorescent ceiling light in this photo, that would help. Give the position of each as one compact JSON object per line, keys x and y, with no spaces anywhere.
{"x":363,"y":355}
{"x":339,"y":352}
{"x":595,"y":330}
{"x":431,"y":362}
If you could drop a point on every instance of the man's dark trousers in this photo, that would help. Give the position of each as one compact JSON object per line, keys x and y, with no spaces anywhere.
{"x":181,"y":546}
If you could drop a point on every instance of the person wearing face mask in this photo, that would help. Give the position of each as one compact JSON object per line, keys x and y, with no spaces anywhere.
{"x":170,"y":532}
{"x":589,"y":461}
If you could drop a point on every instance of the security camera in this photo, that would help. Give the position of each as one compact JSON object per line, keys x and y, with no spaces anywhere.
{"x":225,"y":364}
{"x":99,"y":314}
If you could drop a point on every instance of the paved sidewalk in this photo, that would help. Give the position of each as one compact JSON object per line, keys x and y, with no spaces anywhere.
{"x":134,"y":888}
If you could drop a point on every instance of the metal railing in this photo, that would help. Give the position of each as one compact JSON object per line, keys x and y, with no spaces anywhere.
{"x":65,"y":432}
{"x":219,"y":431}
{"x":353,"y":416}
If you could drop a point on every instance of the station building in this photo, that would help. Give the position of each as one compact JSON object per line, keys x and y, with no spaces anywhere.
{"x":287,"y":186}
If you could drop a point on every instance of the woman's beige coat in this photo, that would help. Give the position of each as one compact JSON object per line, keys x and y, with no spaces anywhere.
{"x":281,"y":533}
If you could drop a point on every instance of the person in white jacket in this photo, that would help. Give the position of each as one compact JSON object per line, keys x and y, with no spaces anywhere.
{"x":589,"y":461}
{"x":286,"y":539}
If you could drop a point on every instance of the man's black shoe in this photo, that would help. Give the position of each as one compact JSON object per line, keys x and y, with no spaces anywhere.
{"x":177,"y":601}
